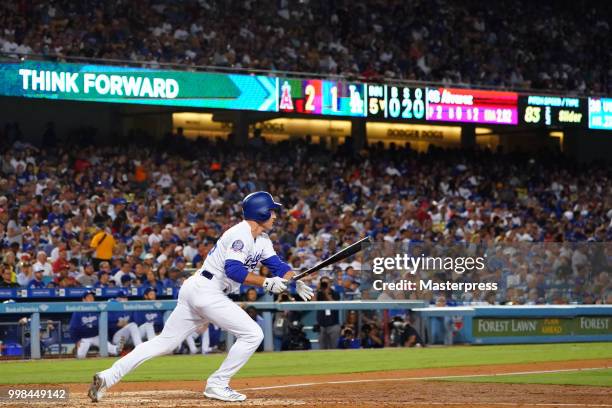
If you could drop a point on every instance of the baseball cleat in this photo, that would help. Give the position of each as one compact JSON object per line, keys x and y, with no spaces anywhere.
{"x":97,"y":389}
{"x":224,"y":394}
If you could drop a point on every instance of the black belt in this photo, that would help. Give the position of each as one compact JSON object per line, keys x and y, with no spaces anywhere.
{"x":209,"y":276}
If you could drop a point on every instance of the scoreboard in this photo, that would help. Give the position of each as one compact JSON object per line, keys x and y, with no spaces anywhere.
{"x":321,"y":97}
{"x":600,"y":113}
{"x":470,"y":106}
{"x":396,"y":102}
{"x":552,"y":111}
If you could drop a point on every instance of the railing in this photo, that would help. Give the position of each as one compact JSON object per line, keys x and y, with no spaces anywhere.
{"x":35,"y":310}
{"x":518,"y":323}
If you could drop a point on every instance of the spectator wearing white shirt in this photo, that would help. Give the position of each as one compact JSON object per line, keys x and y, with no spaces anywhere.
{"x":165,"y":179}
{"x":155,"y":236}
{"x":190,"y":250}
{"x":126,"y":270}
{"x":43,"y":264}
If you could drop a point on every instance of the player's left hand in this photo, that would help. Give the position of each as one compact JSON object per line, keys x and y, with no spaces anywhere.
{"x":304,"y":291}
{"x":275,"y":285}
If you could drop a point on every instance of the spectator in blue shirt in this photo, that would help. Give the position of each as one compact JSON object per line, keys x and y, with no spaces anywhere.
{"x":104,"y":280}
{"x":126,"y":281}
{"x":152,"y":281}
{"x":55,"y":216}
{"x":172,"y":281}
{"x":200,"y":256}
{"x":37,"y":282}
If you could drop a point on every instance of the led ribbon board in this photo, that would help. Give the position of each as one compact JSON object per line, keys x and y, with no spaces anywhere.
{"x":553,"y":111}
{"x":471,"y":106}
{"x":600,"y":113}
{"x":97,"y":83}
{"x":321,"y":97}
{"x":396,"y":102}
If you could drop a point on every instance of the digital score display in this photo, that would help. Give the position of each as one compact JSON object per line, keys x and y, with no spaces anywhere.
{"x":552,"y":111}
{"x":600,"y":113}
{"x":321,"y":97}
{"x":396,"y":102}
{"x":471,"y":106}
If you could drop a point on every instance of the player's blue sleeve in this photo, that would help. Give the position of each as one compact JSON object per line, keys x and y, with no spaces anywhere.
{"x":235,"y":270}
{"x":276,"y":266}
{"x":74,"y":322}
{"x":75,"y":327}
{"x":139,"y":317}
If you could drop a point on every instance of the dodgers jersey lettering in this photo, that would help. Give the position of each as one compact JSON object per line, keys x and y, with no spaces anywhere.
{"x":83,"y":325}
{"x":237,"y":243}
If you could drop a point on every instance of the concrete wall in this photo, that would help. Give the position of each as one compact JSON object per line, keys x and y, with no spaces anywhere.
{"x":33,"y":115}
{"x":119,"y":121}
{"x":110,"y":120}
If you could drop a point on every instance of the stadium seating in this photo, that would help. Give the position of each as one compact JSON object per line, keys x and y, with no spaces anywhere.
{"x":562,"y":47}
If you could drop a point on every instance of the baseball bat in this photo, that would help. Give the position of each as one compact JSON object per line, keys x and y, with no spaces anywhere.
{"x":338,"y":256}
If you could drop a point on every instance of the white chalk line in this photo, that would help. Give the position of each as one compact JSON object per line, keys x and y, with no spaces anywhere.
{"x":441,"y":377}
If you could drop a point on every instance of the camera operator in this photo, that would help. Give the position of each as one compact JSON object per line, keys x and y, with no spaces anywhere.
{"x":403,"y":334}
{"x":49,"y":335}
{"x":252,"y":312}
{"x":281,"y":321}
{"x":396,"y":331}
{"x":328,"y":321}
{"x":347,"y":339}
{"x":370,"y":337}
{"x":296,"y":338}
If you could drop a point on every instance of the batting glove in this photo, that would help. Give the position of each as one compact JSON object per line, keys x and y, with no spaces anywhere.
{"x":275,"y":285}
{"x":304,"y":291}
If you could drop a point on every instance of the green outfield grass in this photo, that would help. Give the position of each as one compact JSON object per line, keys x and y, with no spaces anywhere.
{"x":303,"y":363}
{"x":601,"y":378}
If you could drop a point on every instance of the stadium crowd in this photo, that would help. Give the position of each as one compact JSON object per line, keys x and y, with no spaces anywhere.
{"x":143,"y":214}
{"x":549,"y":45}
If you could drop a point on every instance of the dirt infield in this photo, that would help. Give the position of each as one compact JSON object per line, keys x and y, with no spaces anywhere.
{"x":409,"y":388}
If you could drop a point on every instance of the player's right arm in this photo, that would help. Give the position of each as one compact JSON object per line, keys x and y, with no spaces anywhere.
{"x":236,"y":270}
{"x":74,"y":322}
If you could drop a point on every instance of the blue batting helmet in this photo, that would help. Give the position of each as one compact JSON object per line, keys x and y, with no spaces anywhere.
{"x":258,"y":206}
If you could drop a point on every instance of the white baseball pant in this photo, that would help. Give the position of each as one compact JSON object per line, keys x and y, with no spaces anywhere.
{"x":206,"y":342}
{"x":190,"y":340}
{"x":200,"y":301}
{"x":129,"y":332}
{"x":147,"y":331}
{"x":85,"y":344}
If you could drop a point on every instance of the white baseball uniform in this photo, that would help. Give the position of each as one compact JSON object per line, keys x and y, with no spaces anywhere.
{"x":86,"y":343}
{"x":202,"y":299}
{"x":129,"y":332}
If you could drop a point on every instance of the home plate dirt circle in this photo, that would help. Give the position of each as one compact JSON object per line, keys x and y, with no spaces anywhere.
{"x":413,"y":388}
{"x":175,"y":399}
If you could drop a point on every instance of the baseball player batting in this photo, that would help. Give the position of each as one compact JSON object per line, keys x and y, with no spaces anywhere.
{"x":203,"y":299}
